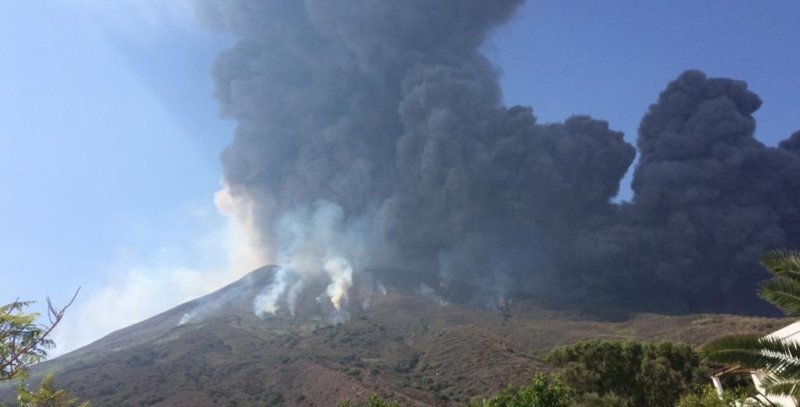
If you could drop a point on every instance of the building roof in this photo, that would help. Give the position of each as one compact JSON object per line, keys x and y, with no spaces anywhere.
{"x":790,"y":332}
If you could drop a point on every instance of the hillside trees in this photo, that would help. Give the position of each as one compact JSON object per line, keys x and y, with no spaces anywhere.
{"x":606,"y":373}
{"x":634,"y":374}
{"x":778,"y":359}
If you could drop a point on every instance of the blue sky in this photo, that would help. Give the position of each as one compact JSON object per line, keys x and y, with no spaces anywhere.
{"x":611,"y":62}
{"x":109,"y":135}
{"x":611,"y":59}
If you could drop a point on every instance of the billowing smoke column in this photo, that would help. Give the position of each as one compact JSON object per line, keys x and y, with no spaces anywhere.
{"x":371,"y":134}
{"x":709,"y":200}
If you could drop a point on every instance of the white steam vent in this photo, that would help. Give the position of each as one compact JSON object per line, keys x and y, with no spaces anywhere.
{"x":313,"y":243}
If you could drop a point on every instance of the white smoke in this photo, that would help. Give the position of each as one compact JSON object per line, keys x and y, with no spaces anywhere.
{"x":429,"y":293}
{"x":248,"y":249}
{"x":341,"y":274}
{"x":267,"y":301}
{"x":294,"y":292}
{"x":314,"y":242}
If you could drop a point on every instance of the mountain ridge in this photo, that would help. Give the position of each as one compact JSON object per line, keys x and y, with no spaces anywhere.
{"x":415,"y":345}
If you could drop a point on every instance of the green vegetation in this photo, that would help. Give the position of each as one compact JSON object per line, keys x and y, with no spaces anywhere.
{"x":599,"y":373}
{"x":24,"y":342}
{"x":374,"y":401}
{"x":629,"y":373}
{"x":781,"y":360}
{"x":408,"y":365}
{"x":542,"y":392}
{"x":783,"y":290}
{"x":707,"y":397}
{"x":48,"y":396}
{"x":640,"y":374}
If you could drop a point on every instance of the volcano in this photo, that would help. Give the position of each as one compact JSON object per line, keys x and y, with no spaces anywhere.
{"x":420,"y":344}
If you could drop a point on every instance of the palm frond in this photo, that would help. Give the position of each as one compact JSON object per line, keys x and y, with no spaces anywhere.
{"x":784,"y":293}
{"x":783,"y":263}
{"x":778,"y":359}
{"x":782,"y":386}
{"x":741,"y":350}
{"x":754,"y":352}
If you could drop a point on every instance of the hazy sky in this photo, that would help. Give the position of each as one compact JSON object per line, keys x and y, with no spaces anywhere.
{"x":109,"y":135}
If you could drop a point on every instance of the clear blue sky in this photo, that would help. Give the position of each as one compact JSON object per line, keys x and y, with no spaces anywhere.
{"x":109,"y":136}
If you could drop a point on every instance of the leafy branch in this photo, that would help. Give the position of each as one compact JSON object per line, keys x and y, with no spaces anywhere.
{"x":22,"y":341}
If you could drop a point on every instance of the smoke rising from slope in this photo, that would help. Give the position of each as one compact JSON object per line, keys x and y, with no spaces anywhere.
{"x":314,"y":242}
{"x":386,"y":116}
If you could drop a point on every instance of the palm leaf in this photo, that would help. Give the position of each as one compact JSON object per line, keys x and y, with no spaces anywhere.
{"x":741,"y":350}
{"x":778,"y":359}
{"x":750,"y":351}
{"x":784,"y":293}
{"x":781,"y":386}
{"x":783,"y":263}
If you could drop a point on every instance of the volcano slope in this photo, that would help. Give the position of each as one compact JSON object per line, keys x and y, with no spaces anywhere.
{"x":410,"y":343}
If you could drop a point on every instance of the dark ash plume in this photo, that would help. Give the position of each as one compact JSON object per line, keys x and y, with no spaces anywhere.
{"x":387,"y":115}
{"x":709,"y":201}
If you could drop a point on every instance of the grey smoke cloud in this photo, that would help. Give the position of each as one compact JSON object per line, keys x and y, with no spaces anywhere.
{"x":709,"y":200}
{"x":389,"y":112}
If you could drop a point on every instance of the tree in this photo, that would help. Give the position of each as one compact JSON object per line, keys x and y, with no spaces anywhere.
{"x":542,"y":392}
{"x":23,"y":341}
{"x":48,"y":396}
{"x":627,"y":373}
{"x":778,"y":359}
{"x":707,"y":397}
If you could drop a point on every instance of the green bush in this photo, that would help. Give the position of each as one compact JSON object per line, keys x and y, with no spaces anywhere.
{"x":636,"y":374}
{"x":47,"y":396}
{"x":374,"y":401}
{"x":707,"y":397}
{"x":542,"y":392}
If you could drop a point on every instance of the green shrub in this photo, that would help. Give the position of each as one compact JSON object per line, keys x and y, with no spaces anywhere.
{"x":638,"y":374}
{"x":374,"y":401}
{"x":707,"y":397}
{"x":542,"y":392}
